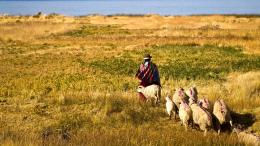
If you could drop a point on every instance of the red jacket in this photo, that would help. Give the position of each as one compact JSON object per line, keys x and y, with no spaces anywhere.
{"x":148,"y":74}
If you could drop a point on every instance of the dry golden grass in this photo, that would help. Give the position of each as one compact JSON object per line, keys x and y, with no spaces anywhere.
{"x":70,"y":80}
{"x":221,"y":30}
{"x":30,"y":31}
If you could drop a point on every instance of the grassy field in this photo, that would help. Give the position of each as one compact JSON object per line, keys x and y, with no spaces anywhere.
{"x":70,"y":80}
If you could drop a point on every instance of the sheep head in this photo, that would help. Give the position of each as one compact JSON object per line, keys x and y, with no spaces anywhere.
{"x":140,"y":89}
{"x":168,"y":98}
{"x":204,"y":103}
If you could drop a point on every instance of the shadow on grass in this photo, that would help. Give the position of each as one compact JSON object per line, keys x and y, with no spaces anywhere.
{"x":243,"y":120}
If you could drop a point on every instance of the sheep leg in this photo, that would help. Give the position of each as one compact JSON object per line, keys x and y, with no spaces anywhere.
{"x":176,"y":109}
{"x":231,"y":123}
{"x":192,"y":124}
{"x":219,"y":130}
{"x":186,"y":126}
{"x":174,"y":115}
{"x":175,"y":112}
{"x":205,"y":132}
{"x":203,"y":127}
{"x":147,"y":100}
{"x":218,"y":127}
{"x":158,"y":100}
{"x":155,"y":101}
{"x":189,"y":122}
{"x":181,"y":122}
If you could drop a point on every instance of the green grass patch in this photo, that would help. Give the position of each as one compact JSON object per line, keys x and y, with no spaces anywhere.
{"x":183,"y":61}
{"x":203,"y":62}
{"x":119,"y":66}
{"x":87,"y":30}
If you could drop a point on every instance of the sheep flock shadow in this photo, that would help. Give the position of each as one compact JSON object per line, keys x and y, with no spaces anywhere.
{"x":241,"y":121}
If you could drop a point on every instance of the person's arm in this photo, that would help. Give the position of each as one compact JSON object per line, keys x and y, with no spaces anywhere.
{"x":137,"y":75}
{"x":157,"y":76}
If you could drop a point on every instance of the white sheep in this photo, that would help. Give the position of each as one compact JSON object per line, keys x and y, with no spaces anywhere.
{"x":185,"y":114}
{"x":200,"y":116}
{"x":179,"y":95}
{"x":170,"y":107}
{"x":247,"y":137}
{"x":222,"y":113}
{"x":205,"y":103}
{"x":152,"y":92}
{"x":192,"y":93}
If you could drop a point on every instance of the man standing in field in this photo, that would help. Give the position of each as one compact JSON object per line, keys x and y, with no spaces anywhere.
{"x":148,"y":74}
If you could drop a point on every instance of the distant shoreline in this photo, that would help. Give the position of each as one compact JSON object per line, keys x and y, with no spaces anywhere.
{"x":135,"y":15}
{"x":131,"y":7}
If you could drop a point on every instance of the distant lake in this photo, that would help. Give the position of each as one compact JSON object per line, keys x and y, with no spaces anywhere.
{"x":109,"y":7}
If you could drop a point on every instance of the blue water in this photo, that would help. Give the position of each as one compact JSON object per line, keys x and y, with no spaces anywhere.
{"x":108,"y":7}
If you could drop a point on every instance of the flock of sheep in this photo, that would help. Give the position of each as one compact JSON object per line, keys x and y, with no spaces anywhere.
{"x":200,"y":112}
{"x":192,"y":110}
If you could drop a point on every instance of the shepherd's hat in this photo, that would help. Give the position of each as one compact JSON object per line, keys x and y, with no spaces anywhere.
{"x":147,"y":56}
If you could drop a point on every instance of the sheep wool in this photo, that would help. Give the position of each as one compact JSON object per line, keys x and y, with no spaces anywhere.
{"x":192,"y":93}
{"x":152,"y":92}
{"x":179,"y":95}
{"x":185,"y":114}
{"x":170,"y":107}
{"x":201,"y":117}
{"x":222,"y":113}
{"x":205,"y":103}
